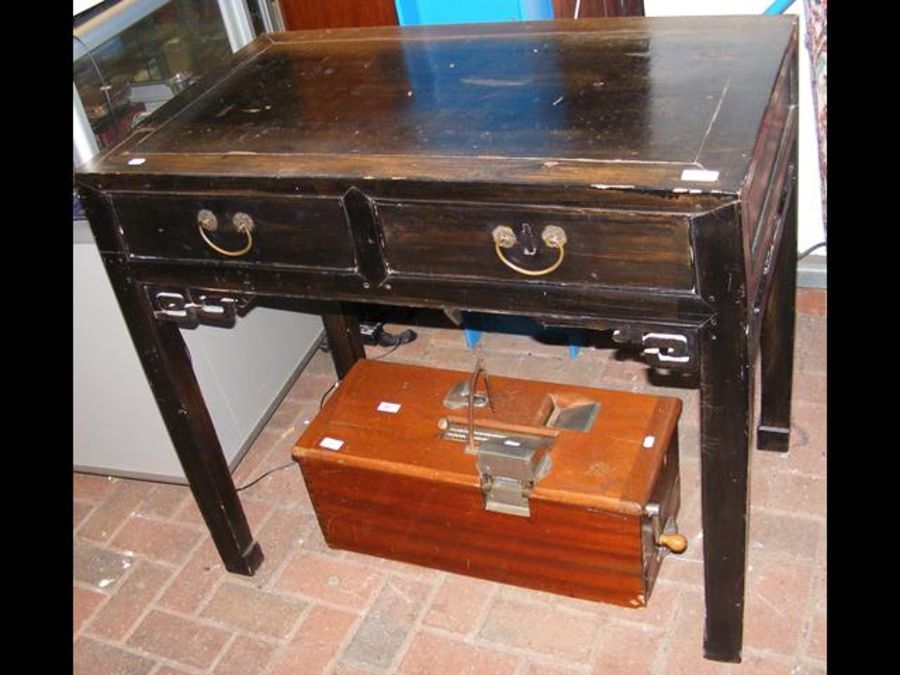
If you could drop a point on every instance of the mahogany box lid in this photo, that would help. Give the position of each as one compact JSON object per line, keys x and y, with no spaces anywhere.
{"x":384,"y":417}
{"x":672,"y":104}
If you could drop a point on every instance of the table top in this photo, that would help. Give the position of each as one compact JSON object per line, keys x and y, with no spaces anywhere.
{"x":667,"y":103}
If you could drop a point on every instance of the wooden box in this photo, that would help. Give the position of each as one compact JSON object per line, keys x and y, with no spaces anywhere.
{"x":588,"y":514}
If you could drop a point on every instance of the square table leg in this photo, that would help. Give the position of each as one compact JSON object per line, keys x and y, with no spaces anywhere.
{"x":777,"y":338}
{"x":167,"y":363}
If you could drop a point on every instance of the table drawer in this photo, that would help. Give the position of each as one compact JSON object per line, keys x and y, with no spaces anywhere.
{"x":290,"y":231}
{"x":601,"y":247}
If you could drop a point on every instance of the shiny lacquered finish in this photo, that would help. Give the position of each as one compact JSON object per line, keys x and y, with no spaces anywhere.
{"x":377,"y":165}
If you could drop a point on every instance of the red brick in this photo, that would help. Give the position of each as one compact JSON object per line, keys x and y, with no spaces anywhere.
{"x":811,"y":344}
{"x":795,"y":493}
{"x":541,"y":668}
{"x":627,"y":649}
{"x":784,"y":535}
{"x":329,"y":579}
{"x":95,"y":658}
{"x":679,"y":570}
{"x":658,"y":613}
{"x":685,"y":655}
{"x":812,"y":301}
{"x":114,"y":510}
{"x":246,"y":656}
{"x":384,"y":629}
{"x":562,"y":370}
{"x":317,"y":642}
{"x":625,"y":373}
{"x":282,"y":532}
{"x":155,"y":539}
{"x":540,"y":629}
{"x":816,"y":648}
{"x":448,"y":339}
{"x":810,"y":388}
{"x":506,"y":365}
{"x":84,"y":604}
{"x":776,"y":598}
{"x":254,"y":610}
{"x":98,"y":566}
{"x":426,"y":575}
{"x":80,"y":511}
{"x":459,"y":604}
{"x":92,"y":488}
{"x":129,"y":601}
{"x":164,"y":501}
{"x":195,"y":580}
{"x":348,"y":669}
{"x":809,"y":439}
{"x":284,"y":484}
{"x":255,"y":511}
{"x":183,"y":640}
{"x":763,"y":664}
{"x":431,"y":655}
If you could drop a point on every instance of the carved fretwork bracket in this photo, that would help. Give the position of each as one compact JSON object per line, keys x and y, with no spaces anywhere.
{"x":190,"y":307}
{"x":663,"y":346}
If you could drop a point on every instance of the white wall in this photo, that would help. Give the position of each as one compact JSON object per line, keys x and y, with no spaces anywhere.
{"x":811,"y":229}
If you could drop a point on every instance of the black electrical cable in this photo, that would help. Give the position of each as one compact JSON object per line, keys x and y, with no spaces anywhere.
{"x":801,"y":256}
{"x":403,"y":339}
{"x":267,"y":473}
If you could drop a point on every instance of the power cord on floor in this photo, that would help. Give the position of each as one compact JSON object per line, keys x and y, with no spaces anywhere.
{"x":801,"y":256}
{"x":396,"y":341}
{"x":267,"y":473}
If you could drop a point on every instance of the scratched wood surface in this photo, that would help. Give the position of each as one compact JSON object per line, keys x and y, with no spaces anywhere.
{"x":630,"y":101}
{"x":395,"y":488}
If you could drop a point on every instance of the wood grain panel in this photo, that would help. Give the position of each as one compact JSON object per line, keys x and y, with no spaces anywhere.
{"x":306,"y":14}
{"x":396,"y":489}
{"x":612,"y":248}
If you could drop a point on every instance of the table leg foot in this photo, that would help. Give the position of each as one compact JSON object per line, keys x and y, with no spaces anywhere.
{"x":248,"y":562}
{"x":776,"y":439}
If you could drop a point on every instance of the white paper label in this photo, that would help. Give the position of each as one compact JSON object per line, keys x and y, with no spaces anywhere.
{"x":331,"y":443}
{"x":512,"y":443}
{"x":649,"y":441}
{"x":388,"y":407}
{"x":136,"y":161}
{"x":700,"y":175}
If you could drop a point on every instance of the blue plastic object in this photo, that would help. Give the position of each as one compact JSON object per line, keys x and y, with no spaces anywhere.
{"x":778,"y":7}
{"x":415,"y":12}
{"x":474,"y":325}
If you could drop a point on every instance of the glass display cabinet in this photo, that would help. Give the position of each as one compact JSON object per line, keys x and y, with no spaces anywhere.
{"x":129,"y":58}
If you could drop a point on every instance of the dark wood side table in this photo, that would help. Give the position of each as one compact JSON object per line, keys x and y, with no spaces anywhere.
{"x":629,"y":174}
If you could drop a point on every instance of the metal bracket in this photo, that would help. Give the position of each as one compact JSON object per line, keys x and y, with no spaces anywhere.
{"x":509,"y":469}
{"x":189,"y":308}
{"x":661,"y":349}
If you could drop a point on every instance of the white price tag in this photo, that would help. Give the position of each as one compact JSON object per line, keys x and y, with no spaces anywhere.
{"x":388,"y":407}
{"x":331,"y":443}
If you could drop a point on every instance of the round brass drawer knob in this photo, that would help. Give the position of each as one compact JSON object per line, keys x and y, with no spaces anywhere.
{"x":207,"y":220}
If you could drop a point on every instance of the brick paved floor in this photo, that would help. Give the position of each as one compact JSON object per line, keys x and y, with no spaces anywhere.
{"x":151,"y":597}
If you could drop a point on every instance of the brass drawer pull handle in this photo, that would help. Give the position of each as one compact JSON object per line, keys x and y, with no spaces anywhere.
{"x":207,"y":221}
{"x":553,"y":236}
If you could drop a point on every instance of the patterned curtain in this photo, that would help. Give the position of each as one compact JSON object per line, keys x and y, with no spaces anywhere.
{"x":817,"y":43}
